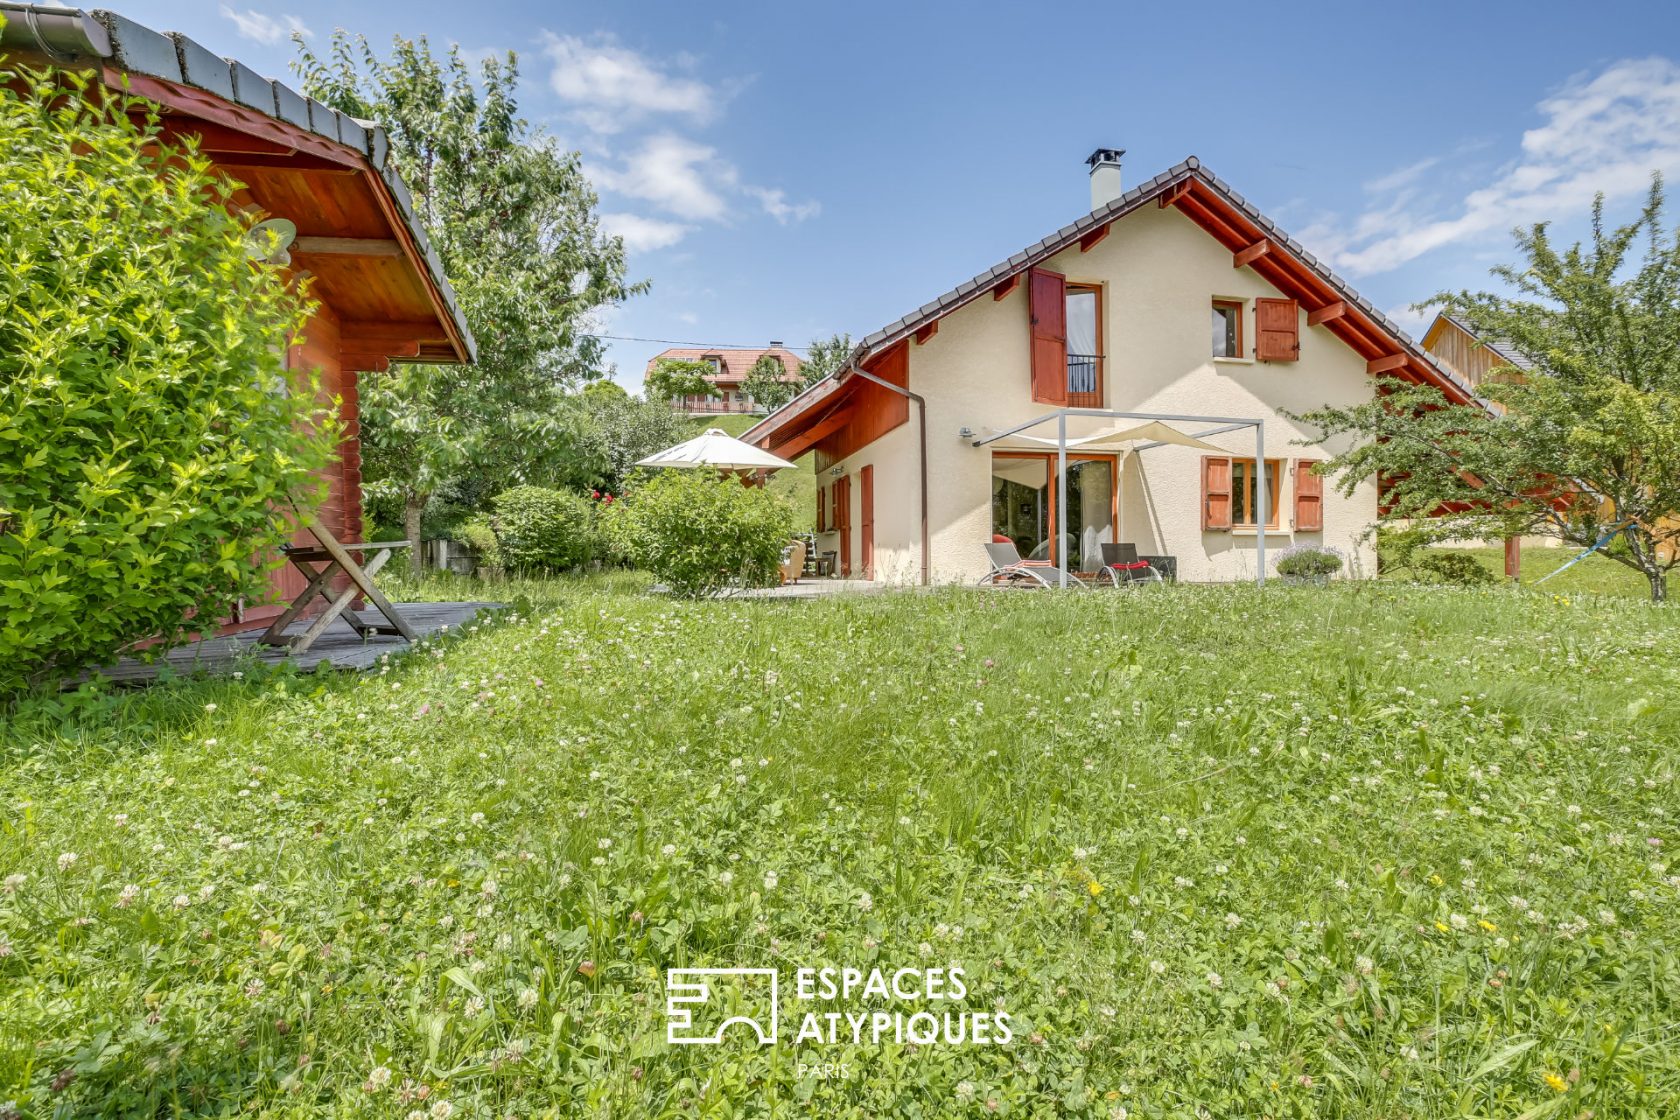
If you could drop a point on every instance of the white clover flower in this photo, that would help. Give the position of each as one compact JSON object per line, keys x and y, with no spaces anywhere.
{"x":965,"y":1091}
{"x":770,"y":880}
{"x":866,"y":901}
{"x":378,"y":1079}
{"x":210,"y":707}
{"x":527,"y":998}
{"x":1459,"y":921}
{"x":126,"y":897}
{"x":13,"y":883}
{"x":489,"y":888}
{"x":668,"y":850}
{"x":1157,"y":967}
{"x":442,"y":1110}
{"x":474,"y":1006}
{"x":119,"y":820}
{"x":67,"y":860}
{"x":1215,"y":981}
{"x":1082,"y":854}
{"x":1365,"y":965}
{"x":1232,"y":921}
{"x":1139,"y":937}
{"x":181,"y":901}
{"x":604,"y":843}
{"x":726,"y":877}
{"x":476,"y":818}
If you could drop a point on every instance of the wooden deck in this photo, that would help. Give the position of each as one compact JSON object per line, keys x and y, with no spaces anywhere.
{"x":340,"y":646}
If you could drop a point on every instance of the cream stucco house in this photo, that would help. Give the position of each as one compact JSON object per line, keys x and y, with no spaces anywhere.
{"x":1174,"y":299}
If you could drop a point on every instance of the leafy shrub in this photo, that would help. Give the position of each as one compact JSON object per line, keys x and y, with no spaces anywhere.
{"x":1309,"y":562}
{"x":147,"y":429}
{"x":1407,"y":550}
{"x":540,"y":530}
{"x":699,"y":533}
{"x":481,"y":538}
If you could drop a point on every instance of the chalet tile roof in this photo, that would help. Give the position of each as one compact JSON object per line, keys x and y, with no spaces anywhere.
{"x":734,"y":364}
{"x":72,"y":36}
{"x":971,"y":289}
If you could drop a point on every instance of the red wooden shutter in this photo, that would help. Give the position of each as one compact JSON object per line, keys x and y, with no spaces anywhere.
{"x":866,"y":519}
{"x":1277,"y":330}
{"x":1047,"y":308}
{"x":1309,"y":497}
{"x":822,"y":509}
{"x":1216,"y":492}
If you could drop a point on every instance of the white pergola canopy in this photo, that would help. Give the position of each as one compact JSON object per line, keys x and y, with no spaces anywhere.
{"x":1155,"y":430}
{"x":716,"y":449}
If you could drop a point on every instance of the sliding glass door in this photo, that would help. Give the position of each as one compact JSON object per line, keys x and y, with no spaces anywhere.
{"x":1024,"y":507}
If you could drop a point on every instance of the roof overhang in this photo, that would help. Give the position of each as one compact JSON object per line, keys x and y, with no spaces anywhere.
{"x":1254,"y":240}
{"x":331,"y":174}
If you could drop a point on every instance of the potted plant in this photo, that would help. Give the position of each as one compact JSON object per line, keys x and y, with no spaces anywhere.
{"x":1309,"y":564}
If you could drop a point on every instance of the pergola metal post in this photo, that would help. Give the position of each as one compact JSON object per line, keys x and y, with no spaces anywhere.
{"x":1263,"y":513}
{"x":1061,"y":499}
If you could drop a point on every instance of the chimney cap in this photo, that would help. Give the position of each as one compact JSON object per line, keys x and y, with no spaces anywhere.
{"x":775,"y":342}
{"x":1104,"y":155}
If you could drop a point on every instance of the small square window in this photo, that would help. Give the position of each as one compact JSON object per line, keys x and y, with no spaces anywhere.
{"x":1227,"y":328}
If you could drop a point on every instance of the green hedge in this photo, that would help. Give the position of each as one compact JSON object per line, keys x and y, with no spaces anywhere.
{"x":534,"y":530}
{"x":700,"y":534}
{"x":147,"y":434}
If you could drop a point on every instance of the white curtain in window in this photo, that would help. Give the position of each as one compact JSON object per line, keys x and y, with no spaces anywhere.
{"x":1082,"y":322}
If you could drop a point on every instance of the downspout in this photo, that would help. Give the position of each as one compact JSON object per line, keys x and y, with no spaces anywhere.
{"x":921,"y":413}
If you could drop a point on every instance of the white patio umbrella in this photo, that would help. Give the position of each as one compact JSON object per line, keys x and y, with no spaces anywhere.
{"x":718,"y":450}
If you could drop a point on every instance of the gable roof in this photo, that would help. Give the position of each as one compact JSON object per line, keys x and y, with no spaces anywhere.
{"x":1502,"y":348}
{"x":733,"y":364}
{"x":1212,"y":204}
{"x":162,"y":65}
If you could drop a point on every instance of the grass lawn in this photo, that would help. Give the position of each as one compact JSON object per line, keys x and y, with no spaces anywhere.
{"x":798,"y":485}
{"x":1595,"y":575}
{"x":1361,"y":851}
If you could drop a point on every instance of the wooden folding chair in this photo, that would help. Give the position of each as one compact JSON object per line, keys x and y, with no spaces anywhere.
{"x":336,"y":559}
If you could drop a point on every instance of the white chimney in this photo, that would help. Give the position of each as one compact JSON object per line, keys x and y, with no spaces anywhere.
{"x":1105,"y":176}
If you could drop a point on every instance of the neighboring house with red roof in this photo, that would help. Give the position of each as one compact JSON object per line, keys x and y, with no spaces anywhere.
{"x":926,"y":445}
{"x":728,"y":376}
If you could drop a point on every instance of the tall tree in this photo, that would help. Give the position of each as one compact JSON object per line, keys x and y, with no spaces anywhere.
{"x":767,"y":384}
{"x":513,"y":219}
{"x":1588,"y":441}
{"x":675,"y":378}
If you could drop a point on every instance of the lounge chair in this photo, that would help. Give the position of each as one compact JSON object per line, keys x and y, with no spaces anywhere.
{"x":793,"y":561}
{"x":1009,"y":570}
{"x":1122,"y":567}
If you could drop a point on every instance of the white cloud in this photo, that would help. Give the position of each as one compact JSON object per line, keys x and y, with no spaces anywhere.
{"x":267,"y":29}
{"x":642,"y":234}
{"x":688,"y":317}
{"x":610,"y":86}
{"x":678,"y":175}
{"x":1606,"y":133}
{"x":776,"y":205}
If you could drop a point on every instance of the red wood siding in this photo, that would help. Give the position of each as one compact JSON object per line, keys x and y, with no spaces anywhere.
{"x":872,"y":411}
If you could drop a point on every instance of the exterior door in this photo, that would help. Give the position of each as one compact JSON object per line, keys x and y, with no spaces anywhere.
{"x":866,"y":519}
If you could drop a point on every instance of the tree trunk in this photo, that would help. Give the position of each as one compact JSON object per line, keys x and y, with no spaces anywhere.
{"x":413,"y":506}
{"x":1659,"y":585}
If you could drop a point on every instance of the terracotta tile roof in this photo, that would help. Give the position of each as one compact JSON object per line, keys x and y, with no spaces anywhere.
{"x":734,"y":365}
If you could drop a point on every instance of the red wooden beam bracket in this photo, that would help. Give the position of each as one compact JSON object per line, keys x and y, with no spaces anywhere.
{"x":1251,"y":254}
{"x":1090,"y":240}
{"x":927,"y":332}
{"x":1386,"y":363}
{"x":1009,"y":285}
{"x":1327,"y":313}
{"x":1172,"y":194}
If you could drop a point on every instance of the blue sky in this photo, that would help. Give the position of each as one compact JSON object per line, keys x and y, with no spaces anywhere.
{"x":788,"y":170}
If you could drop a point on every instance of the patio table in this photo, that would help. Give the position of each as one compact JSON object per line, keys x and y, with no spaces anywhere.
{"x":335,"y":558}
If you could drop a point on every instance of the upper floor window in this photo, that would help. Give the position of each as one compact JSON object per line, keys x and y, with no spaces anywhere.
{"x":1066,"y":321}
{"x":1227,"y":328}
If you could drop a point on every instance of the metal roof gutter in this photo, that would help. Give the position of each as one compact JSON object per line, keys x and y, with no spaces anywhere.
{"x":64,"y":35}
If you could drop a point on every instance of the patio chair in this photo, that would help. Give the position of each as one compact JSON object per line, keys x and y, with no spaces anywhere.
{"x":1009,"y":570}
{"x":1122,"y":567}
{"x":793,"y":561}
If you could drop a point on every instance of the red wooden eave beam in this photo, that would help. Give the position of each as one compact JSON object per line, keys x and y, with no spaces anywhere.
{"x":1009,"y":285}
{"x":1251,"y":254}
{"x":1090,"y":240}
{"x":926,"y":332}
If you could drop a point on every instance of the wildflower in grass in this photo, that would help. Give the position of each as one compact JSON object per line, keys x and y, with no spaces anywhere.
{"x":586,"y":969}
{"x":1139,"y":937}
{"x":1232,"y":921}
{"x":474,"y":1007}
{"x":126,"y":897}
{"x":726,"y":877}
{"x":119,"y":820}
{"x":66,"y":861}
{"x":489,"y":889}
{"x":1082,"y":854}
{"x":1095,"y":888}
{"x":527,"y":998}
{"x":254,"y":989}
{"x":1558,"y":1084}
{"x":1157,"y":967}
{"x":181,"y":902}
{"x":441,"y":1110}
{"x":770,"y":880}
{"x":1215,"y":981}
{"x":378,"y":1079}
{"x":13,"y":883}
{"x":1365,"y":965}
{"x":866,"y":902}
{"x":1459,"y":921}
{"x":5,"y":947}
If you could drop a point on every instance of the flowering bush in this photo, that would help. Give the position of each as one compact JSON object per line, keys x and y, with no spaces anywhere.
{"x":1309,"y":562}
{"x":1211,"y":876}
{"x":700,"y":534}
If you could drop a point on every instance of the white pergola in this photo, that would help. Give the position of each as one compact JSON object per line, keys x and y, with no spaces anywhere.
{"x":1220,"y":424}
